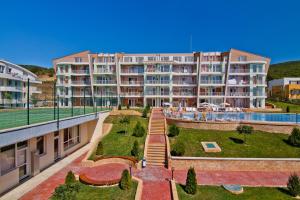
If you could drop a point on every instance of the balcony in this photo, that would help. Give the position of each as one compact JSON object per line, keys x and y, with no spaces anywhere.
{"x":153,"y":93}
{"x":131,"y":94}
{"x":184,"y":83}
{"x":10,"y":101}
{"x":184,"y":94}
{"x":158,"y":82}
{"x":105,"y":94}
{"x":132,"y":71}
{"x":206,"y":82}
{"x":105,"y":82}
{"x":104,"y":71}
{"x":211,"y":93}
{"x":11,"y":88}
{"x":132,"y":83}
{"x":84,"y":83}
{"x":81,"y":72}
{"x":239,"y":94}
{"x":239,"y":71}
{"x":234,"y":82}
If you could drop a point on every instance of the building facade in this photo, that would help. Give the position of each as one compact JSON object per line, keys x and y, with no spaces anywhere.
{"x":285,"y":88}
{"x":14,"y":85}
{"x":187,"y":79}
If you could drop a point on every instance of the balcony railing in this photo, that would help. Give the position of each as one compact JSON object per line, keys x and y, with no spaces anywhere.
{"x":211,"y":82}
{"x":158,"y":82}
{"x":106,"y":94}
{"x":132,"y":71}
{"x":211,"y":93}
{"x":104,"y":82}
{"x":87,"y":93}
{"x":239,"y":94}
{"x":157,"y":70}
{"x":132,"y":82}
{"x":10,"y":88}
{"x":211,"y":71}
{"x":103,"y":71}
{"x":80,"y":71}
{"x":11,"y":101}
{"x":131,"y":93}
{"x":81,"y":82}
{"x":178,"y":82}
{"x":239,"y":71}
{"x":184,"y":94}
{"x":166,"y":93}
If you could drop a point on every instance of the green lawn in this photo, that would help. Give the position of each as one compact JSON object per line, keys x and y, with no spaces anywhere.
{"x":258,"y":145}
{"x":11,"y":118}
{"x":293,"y":107}
{"x":119,"y":144}
{"x":219,"y":193}
{"x":103,"y":193}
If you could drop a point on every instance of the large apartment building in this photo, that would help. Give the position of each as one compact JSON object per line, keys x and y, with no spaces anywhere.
{"x":187,"y":79}
{"x":14,"y":85}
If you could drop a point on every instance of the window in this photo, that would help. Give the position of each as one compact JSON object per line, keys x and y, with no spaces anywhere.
{"x":7,"y":158}
{"x":189,"y":59}
{"x":71,"y":137}
{"x":78,"y":59}
{"x":40,"y":145}
{"x":177,"y":58}
{"x":164,"y":58}
{"x":127,"y":59}
{"x":151,"y":58}
{"x":242,"y":58}
{"x":139,"y":59}
{"x":1,"y":69}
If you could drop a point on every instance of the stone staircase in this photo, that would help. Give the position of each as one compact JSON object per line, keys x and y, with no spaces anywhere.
{"x":156,"y":149}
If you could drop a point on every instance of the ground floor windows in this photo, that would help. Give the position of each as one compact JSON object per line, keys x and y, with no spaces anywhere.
{"x":71,"y":137}
{"x":40,"y":145}
{"x":7,"y":158}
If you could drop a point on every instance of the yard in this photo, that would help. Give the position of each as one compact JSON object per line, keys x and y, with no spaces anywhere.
{"x":103,"y":193}
{"x":119,"y":143}
{"x":283,"y":105}
{"x":258,"y":144}
{"x":250,"y":193}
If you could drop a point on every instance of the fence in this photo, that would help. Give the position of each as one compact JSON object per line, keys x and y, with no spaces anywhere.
{"x":47,"y":102}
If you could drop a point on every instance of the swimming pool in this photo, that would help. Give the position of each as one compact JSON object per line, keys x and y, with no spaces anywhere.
{"x":241,"y":116}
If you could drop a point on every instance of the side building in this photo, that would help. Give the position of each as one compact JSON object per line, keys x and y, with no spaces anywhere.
{"x":285,"y":88}
{"x":14,"y":85}
{"x":187,"y":79}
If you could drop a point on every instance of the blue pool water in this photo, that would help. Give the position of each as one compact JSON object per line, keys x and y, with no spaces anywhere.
{"x":210,"y":145}
{"x":241,"y":116}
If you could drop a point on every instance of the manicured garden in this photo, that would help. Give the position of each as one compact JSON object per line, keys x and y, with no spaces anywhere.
{"x":258,"y":144}
{"x":219,"y":193}
{"x":121,"y":140}
{"x":292,"y":108}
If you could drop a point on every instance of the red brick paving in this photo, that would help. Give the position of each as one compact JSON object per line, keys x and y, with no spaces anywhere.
{"x":246,"y":178}
{"x":156,"y":139}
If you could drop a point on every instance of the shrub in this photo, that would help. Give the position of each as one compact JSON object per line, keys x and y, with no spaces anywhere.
{"x":178,"y":149}
{"x":99,"y":150}
{"x":288,"y":109}
{"x":125,"y":120}
{"x":191,"y":182}
{"x":293,"y":185}
{"x":127,"y":106}
{"x":294,"y":138}
{"x":145,"y":113}
{"x":138,"y":130}
{"x":148,"y":107}
{"x":119,"y":107}
{"x":125,"y":182}
{"x":70,"y":178}
{"x":173,"y":130}
{"x":246,"y":130}
{"x":135,"y":149}
{"x":67,"y":191}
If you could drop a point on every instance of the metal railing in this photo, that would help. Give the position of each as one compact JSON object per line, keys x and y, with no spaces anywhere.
{"x":103,"y":82}
{"x":158,"y":82}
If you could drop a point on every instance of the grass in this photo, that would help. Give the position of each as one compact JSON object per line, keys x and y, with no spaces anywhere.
{"x":11,"y":118}
{"x":219,"y":193}
{"x":258,"y":144}
{"x":103,"y":193}
{"x":117,"y":143}
{"x":283,"y":105}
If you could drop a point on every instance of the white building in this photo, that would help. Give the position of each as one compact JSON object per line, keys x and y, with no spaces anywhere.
{"x":13,"y":85}
{"x":235,"y":77}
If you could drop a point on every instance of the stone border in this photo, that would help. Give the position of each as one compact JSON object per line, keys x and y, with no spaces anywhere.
{"x":108,"y":160}
{"x":272,"y":127}
{"x":215,"y":149}
{"x":139,"y":189}
{"x":237,"y":164}
{"x":174,"y":190}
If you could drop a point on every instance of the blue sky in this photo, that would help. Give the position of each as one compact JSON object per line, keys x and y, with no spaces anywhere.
{"x":35,"y":32}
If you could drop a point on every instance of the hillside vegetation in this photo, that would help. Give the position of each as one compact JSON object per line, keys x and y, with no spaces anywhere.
{"x":38,"y":70}
{"x":285,"y":69}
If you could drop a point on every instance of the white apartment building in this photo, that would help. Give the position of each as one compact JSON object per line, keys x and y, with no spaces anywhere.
{"x":187,"y":79}
{"x":14,"y":85}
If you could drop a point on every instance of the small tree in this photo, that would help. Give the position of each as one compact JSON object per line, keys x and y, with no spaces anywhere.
{"x":125,"y":120}
{"x":178,"y":149}
{"x":67,"y":191}
{"x":294,"y":138}
{"x":293,"y":185}
{"x":191,"y":182}
{"x":135,"y":149}
{"x":125,"y":182}
{"x":173,"y":130}
{"x":145,"y":113}
{"x":138,"y":130}
{"x":127,"y":106}
{"x":119,"y":107}
{"x":70,"y":178}
{"x":246,"y":130}
{"x":99,"y":150}
{"x":288,"y":109}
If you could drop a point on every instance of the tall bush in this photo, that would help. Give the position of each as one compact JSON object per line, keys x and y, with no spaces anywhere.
{"x":294,"y":138}
{"x":293,"y":185}
{"x":125,"y":182}
{"x":245,"y":130}
{"x":173,"y":130}
{"x":288,"y":109}
{"x":191,"y":182}
{"x":135,"y":149}
{"x":70,"y":178}
{"x":67,"y":191}
{"x":119,"y":107}
{"x":178,"y":149}
{"x":138,"y":130}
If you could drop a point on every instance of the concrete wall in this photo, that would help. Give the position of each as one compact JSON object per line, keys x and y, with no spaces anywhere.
{"x":228,"y":126}
{"x":9,"y":180}
{"x":237,"y":164}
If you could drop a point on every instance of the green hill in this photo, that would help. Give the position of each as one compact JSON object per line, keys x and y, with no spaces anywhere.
{"x":38,"y":70}
{"x":285,"y":69}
